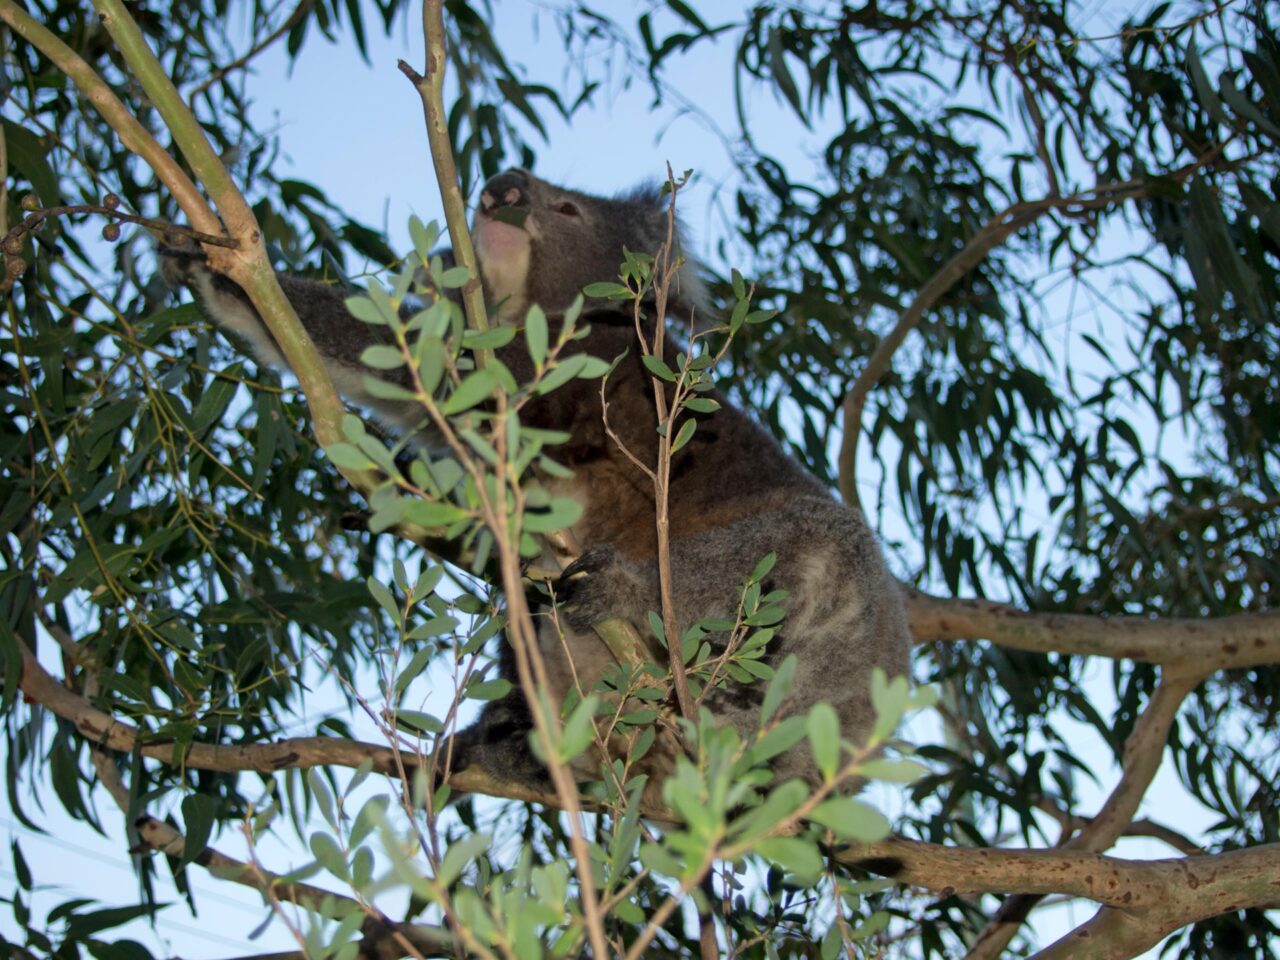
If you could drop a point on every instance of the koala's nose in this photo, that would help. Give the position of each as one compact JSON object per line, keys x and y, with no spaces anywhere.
{"x":508,"y":189}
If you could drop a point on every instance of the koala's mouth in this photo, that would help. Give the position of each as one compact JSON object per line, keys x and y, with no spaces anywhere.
{"x":498,"y":240}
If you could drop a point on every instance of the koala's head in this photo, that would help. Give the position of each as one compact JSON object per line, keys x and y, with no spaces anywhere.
{"x":539,"y":243}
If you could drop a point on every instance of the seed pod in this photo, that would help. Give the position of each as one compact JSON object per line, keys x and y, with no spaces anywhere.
{"x":13,"y":245}
{"x":111,"y":232}
{"x":30,"y":203}
{"x":111,"y":201}
{"x":14,"y":267}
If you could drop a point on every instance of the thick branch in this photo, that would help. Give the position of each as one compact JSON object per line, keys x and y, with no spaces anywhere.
{"x":1197,"y":888}
{"x":383,"y":939}
{"x":248,"y":265}
{"x":100,"y":728}
{"x":1231,"y":881}
{"x":177,"y":116}
{"x":1242,"y":640}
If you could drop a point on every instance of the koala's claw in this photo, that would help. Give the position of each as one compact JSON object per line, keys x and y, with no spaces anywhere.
{"x":592,"y":561}
{"x":598,"y":586}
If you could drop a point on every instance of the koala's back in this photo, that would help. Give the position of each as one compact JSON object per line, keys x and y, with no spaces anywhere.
{"x":731,"y":468}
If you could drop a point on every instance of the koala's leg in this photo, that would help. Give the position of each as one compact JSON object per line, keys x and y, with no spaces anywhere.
{"x":844,"y":611}
{"x":498,"y":742}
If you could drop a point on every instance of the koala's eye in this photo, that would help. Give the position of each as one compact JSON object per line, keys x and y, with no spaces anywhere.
{"x":567,"y":208}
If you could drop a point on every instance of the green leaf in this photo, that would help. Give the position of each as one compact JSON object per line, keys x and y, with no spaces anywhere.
{"x":198,"y":813}
{"x":429,"y":513}
{"x":382,"y":357}
{"x":454,"y":277}
{"x":778,"y":689}
{"x":763,"y":567}
{"x":824,"y":738}
{"x":535,"y":334}
{"x":473,"y":390}
{"x":347,"y":457}
{"x":424,"y":237}
{"x":417,"y":663}
{"x":579,"y":729}
{"x":893,"y":771}
{"x":782,"y":801}
{"x":610,"y":291}
{"x":797,"y":856}
{"x":362,"y":307}
{"x":702,"y":405}
{"x":83,"y":925}
{"x":1205,"y":93}
{"x":779,"y":739}
{"x":851,"y":819}
{"x":494,"y":689}
{"x":418,"y":723}
{"x":384,"y":598}
{"x":782,"y":75}
{"x":659,"y":369}
{"x":684,"y":435}
{"x":328,"y":854}
{"x":27,"y":154}
{"x":460,"y":853}
{"x":386,"y":390}
{"x":562,"y":512}
{"x":561,"y":373}
{"x":491,"y":339}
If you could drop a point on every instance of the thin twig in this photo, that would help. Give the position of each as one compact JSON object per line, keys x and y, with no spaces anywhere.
{"x":994,"y":233}
{"x":294,"y":18}
{"x":132,"y":133}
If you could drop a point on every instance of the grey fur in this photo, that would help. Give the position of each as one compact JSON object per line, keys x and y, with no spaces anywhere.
{"x":735,"y":495}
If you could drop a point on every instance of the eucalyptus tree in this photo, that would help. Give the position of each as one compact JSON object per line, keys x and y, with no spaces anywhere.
{"x":1020,"y":310}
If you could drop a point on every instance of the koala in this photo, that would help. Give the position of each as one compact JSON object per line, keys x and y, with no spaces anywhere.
{"x":735,"y":495}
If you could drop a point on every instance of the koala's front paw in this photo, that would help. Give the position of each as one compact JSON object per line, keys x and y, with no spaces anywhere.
{"x":181,"y":260}
{"x":600,"y":585}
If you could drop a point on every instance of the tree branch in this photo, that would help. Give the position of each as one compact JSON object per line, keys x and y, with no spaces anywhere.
{"x":132,"y":133}
{"x":1240,"y":640}
{"x":1143,"y":753}
{"x":430,"y":87}
{"x":383,"y":938}
{"x":1196,"y":888}
{"x":100,"y":728}
{"x":1242,"y":878}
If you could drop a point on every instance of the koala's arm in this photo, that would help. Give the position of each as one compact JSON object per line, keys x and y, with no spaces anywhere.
{"x":339,"y":337}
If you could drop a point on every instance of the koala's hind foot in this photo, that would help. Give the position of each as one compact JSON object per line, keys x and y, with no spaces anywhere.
{"x":498,"y":744}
